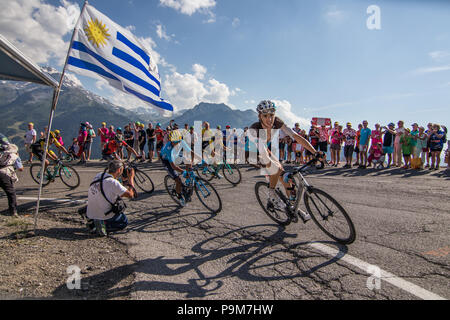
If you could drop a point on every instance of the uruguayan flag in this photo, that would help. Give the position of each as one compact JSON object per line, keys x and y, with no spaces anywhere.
{"x":103,"y":48}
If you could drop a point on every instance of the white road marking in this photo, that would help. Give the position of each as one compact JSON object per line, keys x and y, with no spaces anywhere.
{"x":386,"y":276}
{"x":51,"y":199}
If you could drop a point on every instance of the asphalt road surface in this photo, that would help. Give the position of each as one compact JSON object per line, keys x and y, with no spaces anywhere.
{"x":402,"y":250}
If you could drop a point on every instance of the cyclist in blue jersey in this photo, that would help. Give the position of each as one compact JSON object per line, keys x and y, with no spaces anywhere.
{"x":170,"y":152}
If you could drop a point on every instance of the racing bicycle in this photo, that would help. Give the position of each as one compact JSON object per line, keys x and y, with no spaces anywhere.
{"x":205,"y":192}
{"x":231,"y":172}
{"x":68,"y":175}
{"x":324,"y":210}
{"x":141,"y":179}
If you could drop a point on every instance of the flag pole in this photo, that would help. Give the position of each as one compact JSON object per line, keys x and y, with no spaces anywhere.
{"x":56,"y":93}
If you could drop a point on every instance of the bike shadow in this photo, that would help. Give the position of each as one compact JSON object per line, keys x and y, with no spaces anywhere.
{"x":258,"y":253}
{"x":168,"y":218}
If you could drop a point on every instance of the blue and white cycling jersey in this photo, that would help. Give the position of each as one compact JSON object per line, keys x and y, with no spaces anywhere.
{"x":170,"y":152}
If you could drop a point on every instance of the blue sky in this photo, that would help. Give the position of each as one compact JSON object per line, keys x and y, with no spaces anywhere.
{"x":314,"y":58}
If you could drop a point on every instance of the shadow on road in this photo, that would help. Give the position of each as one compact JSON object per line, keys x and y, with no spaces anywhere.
{"x":257,"y":253}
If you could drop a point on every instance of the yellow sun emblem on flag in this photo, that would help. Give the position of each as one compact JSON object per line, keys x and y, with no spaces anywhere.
{"x":97,"y":33}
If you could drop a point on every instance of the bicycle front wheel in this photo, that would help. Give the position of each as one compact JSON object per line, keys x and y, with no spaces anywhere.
{"x":69,"y":176}
{"x":280,"y":216}
{"x":143,"y":181}
{"x":170,"y":185}
{"x":232,"y":174}
{"x":35,"y":171}
{"x":330,"y":216}
{"x":208,"y":196}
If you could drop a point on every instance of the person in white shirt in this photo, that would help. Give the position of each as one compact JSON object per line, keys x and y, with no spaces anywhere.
{"x":30,"y":138}
{"x":98,"y":206}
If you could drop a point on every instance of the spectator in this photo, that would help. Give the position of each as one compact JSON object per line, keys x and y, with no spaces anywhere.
{"x":151,"y":138}
{"x":82,"y":137}
{"x":128,"y":137}
{"x":324,"y":139}
{"x":282,"y":138}
{"x":30,"y":138}
{"x":436,"y":146}
{"x":447,"y":157}
{"x":103,"y":133}
{"x":44,"y":134}
{"x":9,"y":161}
{"x":407,"y":146}
{"x":142,"y":141}
{"x":289,"y":149}
{"x":119,"y":135}
{"x":376,"y":152}
{"x":89,"y":140}
{"x":397,"y":145}
{"x":357,"y":151}
{"x":111,"y":133}
{"x":74,"y":148}
{"x":388,"y":142}
{"x":414,"y":134}
{"x":421,"y":147}
{"x":193,"y":138}
{"x":101,"y":218}
{"x":314,"y":136}
{"x":336,"y":141}
{"x":349,"y":146}
{"x":428,"y":132}
{"x":365,"y":135}
{"x":377,"y":136}
{"x":136,"y":129}
{"x":159,"y":139}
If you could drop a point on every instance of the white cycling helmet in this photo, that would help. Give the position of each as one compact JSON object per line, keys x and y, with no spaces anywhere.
{"x":266,"y":106}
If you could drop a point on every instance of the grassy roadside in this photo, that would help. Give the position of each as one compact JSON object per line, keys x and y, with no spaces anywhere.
{"x":35,"y":266}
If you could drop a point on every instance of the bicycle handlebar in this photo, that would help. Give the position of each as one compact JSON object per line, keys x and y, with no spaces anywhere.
{"x":310,"y":163}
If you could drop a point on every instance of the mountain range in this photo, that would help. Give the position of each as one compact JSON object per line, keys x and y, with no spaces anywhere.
{"x":21,"y":103}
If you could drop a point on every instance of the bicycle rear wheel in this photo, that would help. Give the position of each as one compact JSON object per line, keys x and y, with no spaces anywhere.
{"x":330,"y":216}
{"x":208,"y":195}
{"x":262,"y":194}
{"x":143,"y":181}
{"x":170,"y":185}
{"x":69,"y":176}
{"x":205,"y":172}
{"x":35,"y":171}
{"x":231,"y":173}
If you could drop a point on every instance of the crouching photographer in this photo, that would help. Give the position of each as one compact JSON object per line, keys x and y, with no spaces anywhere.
{"x":105,"y":209}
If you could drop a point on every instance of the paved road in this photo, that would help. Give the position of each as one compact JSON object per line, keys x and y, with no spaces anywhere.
{"x":402,"y":222}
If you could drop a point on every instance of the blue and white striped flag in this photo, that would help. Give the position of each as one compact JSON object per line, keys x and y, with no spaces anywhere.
{"x":102,"y":48}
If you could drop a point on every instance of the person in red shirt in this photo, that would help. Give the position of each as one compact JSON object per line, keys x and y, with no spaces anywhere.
{"x":82,"y":137}
{"x":110,"y":151}
{"x":159,"y":139}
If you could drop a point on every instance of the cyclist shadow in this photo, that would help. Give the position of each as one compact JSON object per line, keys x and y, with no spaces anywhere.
{"x":168,"y":219}
{"x":250,"y":253}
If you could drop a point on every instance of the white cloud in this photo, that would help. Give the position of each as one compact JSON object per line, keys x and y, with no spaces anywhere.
{"x":161,"y":32}
{"x":439,"y":56}
{"x":189,"y":7}
{"x":38,"y":28}
{"x":426,"y":70}
{"x":199,"y":71}
{"x":236,"y":22}
{"x":334,"y":16}
{"x":187,"y":90}
{"x":284,"y":112}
